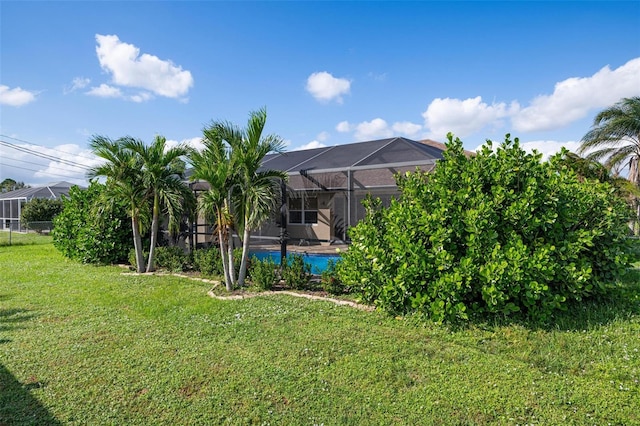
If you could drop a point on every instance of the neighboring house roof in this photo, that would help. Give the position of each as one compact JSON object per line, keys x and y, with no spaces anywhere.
{"x":51,"y":191}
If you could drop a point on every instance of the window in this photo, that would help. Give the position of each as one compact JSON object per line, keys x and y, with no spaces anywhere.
{"x":303,"y":210}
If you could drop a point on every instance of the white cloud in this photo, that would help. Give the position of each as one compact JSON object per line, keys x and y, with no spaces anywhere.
{"x":464,"y":117}
{"x":407,"y":128}
{"x":374,"y":129}
{"x":130,"y":69}
{"x":325,"y":87}
{"x":195,"y":143}
{"x":105,"y":91}
{"x":76,"y":84}
{"x":141,"y":97}
{"x":16,"y":96}
{"x":573,"y":98}
{"x":343,"y":127}
{"x":323,"y":136}
{"x":310,"y":145}
{"x":41,"y":171}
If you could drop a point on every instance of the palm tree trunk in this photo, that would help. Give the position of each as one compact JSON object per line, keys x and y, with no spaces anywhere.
{"x":137,"y":244}
{"x":223,"y":254}
{"x":232,"y":265}
{"x":154,"y":233}
{"x":245,"y":254}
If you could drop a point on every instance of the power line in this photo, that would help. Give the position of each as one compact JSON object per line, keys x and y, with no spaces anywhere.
{"x":46,"y":156}
{"x":42,"y":146}
{"x":37,"y":164}
{"x":39,"y":171}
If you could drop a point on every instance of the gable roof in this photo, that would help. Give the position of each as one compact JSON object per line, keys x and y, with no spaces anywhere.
{"x":51,"y":191}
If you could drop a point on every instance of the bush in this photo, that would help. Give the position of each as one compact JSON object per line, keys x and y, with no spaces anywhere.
{"x":172,"y":258}
{"x":208,"y":262}
{"x":264,"y":273}
{"x":330,"y":281}
{"x":38,"y":213}
{"x":132,"y":258}
{"x":296,"y":273}
{"x":500,"y":233}
{"x":86,"y":233}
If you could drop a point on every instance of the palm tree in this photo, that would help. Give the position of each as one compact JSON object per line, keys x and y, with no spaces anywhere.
{"x":123,"y":170}
{"x":162,"y":170}
{"x":616,"y":137}
{"x":257,"y":189}
{"x":213,"y":165}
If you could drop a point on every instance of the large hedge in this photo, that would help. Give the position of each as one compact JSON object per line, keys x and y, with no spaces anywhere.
{"x":498,"y":233}
{"x":90,"y":233}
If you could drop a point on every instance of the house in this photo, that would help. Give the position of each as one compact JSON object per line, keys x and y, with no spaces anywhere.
{"x":326,"y":186}
{"x":11,"y":202}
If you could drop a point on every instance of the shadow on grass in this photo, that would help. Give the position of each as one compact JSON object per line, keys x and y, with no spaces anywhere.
{"x":11,"y":318}
{"x":18,"y":406}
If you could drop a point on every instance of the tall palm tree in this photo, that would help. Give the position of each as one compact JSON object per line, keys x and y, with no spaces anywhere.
{"x":123,"y":170}
{"x":257,"y":189}
{"x":616,"y":137}
{"x":213,"y":165}
{"x":162,"y":170}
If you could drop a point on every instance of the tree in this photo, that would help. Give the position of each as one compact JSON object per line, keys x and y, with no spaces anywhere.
{"x":162,"y":170}
{"x":500,"y":233}
{"x":240,"y":193}
{"x":11,"y":185}
{"x":213,"y":165}
{"x":91,"y":231}
{"x":125,"y":181}
{"x":257,"y":190}
{"x":40,"y":210}
{"x":615,"y":136}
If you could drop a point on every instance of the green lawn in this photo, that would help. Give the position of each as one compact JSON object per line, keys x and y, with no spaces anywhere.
{"x":93,"y":345}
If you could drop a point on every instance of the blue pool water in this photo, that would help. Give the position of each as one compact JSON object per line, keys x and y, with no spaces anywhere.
{"x":318,"y":262}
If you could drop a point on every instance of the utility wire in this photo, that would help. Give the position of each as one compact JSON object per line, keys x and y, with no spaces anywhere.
{"x":32,"y":170}
{"x":41,"y":146}
{"x":46,"y":156}
{"x":37,"y":164}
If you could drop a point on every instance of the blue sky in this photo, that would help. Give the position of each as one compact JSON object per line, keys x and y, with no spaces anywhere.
{"x":328,"y":72}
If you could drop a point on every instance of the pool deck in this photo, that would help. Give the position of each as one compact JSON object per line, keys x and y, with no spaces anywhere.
{"x":310,"y":248}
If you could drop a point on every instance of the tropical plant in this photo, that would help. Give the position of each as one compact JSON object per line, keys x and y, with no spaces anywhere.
{"x":501,"y":233}
{"x":11,"y":185}
{"x":90,"y":231}
{"x":125,"y":181}
{"x":240,"y":193}
{"x":615,"y":140}
{"x":256,"y":190}
{"x":214,"y":165}
{"x":40,"y":210}
{"x":162,"y":170}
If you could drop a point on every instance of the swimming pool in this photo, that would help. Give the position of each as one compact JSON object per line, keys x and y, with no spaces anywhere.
{"x":318,"y":262}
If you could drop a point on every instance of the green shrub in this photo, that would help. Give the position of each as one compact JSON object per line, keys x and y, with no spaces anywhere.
{"x":500,"y":233}
{"x":296,"y":273}
{"x":171,"y":258}
{"x":264,"y":273}
{"x":38,"y":213}
{"x":208,"y":262}
{"x":330,"y":281}
{"x":89,"y":234}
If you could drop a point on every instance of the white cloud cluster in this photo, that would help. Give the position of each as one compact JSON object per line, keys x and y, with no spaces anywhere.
{"x":379,"y":129}
{"x":325,"y":87}
{"x":463,"y":117}
{"x":16,"y":96}
{"x":311,"y":145}
{"x":128,"y":68}
{"x":573,"y":98}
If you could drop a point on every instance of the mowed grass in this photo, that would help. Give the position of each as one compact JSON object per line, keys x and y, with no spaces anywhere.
{"x":94,"y":345}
